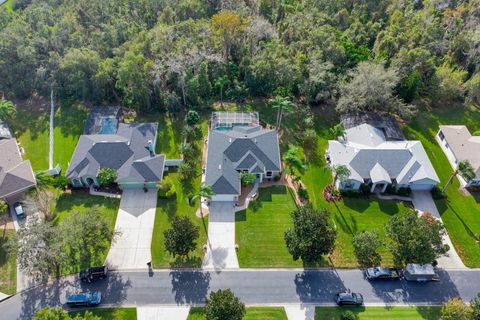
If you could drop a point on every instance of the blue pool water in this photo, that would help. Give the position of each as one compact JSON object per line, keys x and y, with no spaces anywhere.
{"x":109,"y":126}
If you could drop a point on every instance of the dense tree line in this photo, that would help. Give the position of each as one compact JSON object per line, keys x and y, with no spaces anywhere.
{"x":165,"y":54}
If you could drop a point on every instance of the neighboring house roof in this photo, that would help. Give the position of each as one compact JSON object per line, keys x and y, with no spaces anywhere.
{"x":368,"y":155}
{"x":124,"y":151}
{"x":249,"y":148}
{"x":384,"y":123}
{"x":463,"y":145}
{"x":102,"y":120}
{"x":15,"y":174}
{"x":4,"y":131}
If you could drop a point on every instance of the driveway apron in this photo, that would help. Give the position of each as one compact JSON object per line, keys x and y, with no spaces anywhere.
{"x":135,"y":219}
{"x":221,"y":253}
{"x":423,"y":202}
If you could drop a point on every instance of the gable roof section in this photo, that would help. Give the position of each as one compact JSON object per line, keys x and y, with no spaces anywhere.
{"x":463,"y":145}
{"x":385,"y":123}
{"x":255,"y":149}
{"x":15,"y":174}
{"x":379,"y":174}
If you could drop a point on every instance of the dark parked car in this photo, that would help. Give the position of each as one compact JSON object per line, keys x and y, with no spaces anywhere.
{"x":19,"y":211}
{"x":348,"y":299}
{"x":93,"y":273}
{"x":383,"y":273}
{"x":84,"y":299}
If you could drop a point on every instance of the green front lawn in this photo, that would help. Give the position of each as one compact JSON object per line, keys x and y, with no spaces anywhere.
{"x":82,"y":202}
{"x":8,"y":265}
{"x":253,"y":313}
{"x":260,"y":229}
{"x":378,"y":313}
{"x":167,"y":209}
{"x":460,"y":213}
{"x":111,"y":313}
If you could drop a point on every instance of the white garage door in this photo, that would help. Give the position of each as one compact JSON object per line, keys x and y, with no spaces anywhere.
{"x":223,"y":197}
{"x":421,"y":186}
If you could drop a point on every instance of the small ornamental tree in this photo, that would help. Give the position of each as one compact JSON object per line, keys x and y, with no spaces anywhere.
{"x":3,"y":214}
{"x":475,"y":304}
{"x":192,"y":118}
{"x":224,"y":305}
{"x":312,"y":235}
{"x":415,"y":239}
{"x":181,"y":238}
{"x":455,"y":309}
{"x":247,"y":178}
{"x":366,"y":245}
{"x":106,"y":176}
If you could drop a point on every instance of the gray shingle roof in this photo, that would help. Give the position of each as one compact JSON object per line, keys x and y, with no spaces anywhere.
{"x":242,"y":148}
{"x":385,"y":123}
{"x":124,"y":151}
{"x":15,"y":173}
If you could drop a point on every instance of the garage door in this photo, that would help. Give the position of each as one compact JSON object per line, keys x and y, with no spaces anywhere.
{"x":223,"y":197}
{"x":421,"y":186}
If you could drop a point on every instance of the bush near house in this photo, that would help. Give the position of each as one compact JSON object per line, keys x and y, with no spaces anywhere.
{"x":106,"y":176}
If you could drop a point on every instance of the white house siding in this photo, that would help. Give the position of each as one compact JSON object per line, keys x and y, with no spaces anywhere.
{"x":224,"y":197}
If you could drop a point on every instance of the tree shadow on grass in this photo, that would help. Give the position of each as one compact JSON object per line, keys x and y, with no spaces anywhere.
{"x":356,"y":204}
{"x":342,"y":221}
{"x":186,"y":262}
{"x":169,"y":206}
{"x":71,"y":120}
{"x":241,"y":215}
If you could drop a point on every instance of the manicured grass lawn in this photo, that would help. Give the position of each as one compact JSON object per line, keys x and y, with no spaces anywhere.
{"x":253,"y":313}
{"x":460,"y":213}
{"x":82,"y":202}
{"x":374,"y":313}
{"x":111,"y":313}
{"x":32,"y":131}
{"x":259,"y":230}
{"x":8,"y":267}
{"x":167,"y":209}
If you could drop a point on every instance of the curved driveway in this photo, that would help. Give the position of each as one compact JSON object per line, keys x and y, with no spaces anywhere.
{"x":254,"y":287}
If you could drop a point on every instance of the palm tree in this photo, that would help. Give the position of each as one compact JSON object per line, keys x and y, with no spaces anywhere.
{"x":220,"y":83}
{"x":341,"y":173}
{"x":338,"y":130}
{"x":281,"y":104}
{"x":205,"y":191}
{"x":466,"y":171}
{"x":7,"y":109}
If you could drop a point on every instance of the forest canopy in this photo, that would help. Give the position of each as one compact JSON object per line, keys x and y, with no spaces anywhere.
{"x":179,"y":54}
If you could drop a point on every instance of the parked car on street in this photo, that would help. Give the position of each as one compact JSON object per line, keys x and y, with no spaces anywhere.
{"x":420,"y":273}
{"x":84,"y":299}
{"x":93,"y":273}
{"x":378,"y":273}
{"x":348,"y":298}
{"x":19,"y":211}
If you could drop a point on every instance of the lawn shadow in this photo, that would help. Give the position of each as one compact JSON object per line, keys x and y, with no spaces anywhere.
{"x":169,"y":206}
{"x":429,"y":313}
{"x":241,"y":215}
{"x":186,"y":262}
{"x":71,"y":119}
{"x":356,"y":204}
{"x":341,"y":221}
{"x":465,"y":226}
{"x":190,"y":287}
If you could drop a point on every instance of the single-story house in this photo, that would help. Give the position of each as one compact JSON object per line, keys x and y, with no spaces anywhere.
{"x":16,"y":174}
{"x":458,"y":144}
{"x":129,"y":151}
{"x":238,"y":143}
{"x":377,"y":155}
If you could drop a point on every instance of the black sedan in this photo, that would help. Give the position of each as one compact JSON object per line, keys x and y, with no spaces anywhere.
{"x":348,"y":299}
{"x":378,"y":273}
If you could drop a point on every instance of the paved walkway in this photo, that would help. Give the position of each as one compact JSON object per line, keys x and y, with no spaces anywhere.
{"x":423,"y":202}
{"x":300,"y":312}
{"x":3,"y":296}
{"x":221,"y":253}
{"x":162,"y":313}
{"x":135,"y":219}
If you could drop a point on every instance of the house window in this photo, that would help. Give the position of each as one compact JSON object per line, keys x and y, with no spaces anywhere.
{"x":269,"y":173}
{"x":441,"y":135}
{"x":348,"y":184}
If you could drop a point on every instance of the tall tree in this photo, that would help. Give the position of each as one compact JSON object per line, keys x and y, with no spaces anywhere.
{"x":205,"y":191}
{"x":371,"y":88}
{"x":228,"y":26}
{"x":7,"y":109}
{"x":220,"y":83}
{"x":340,"y":173}
{"x":338,"y":130}
{"x":415,"y":239}
{"x":294,"y":160}
{"x":282,"y":104}
{"x":181,"y":238}
{"x":465,"y":169}
{"x":224,"y":305}
{"x":312,"y":235}
{"x":366,"y":245}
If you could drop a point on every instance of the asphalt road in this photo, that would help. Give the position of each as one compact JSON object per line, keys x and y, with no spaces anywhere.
{"x":252,"y":286}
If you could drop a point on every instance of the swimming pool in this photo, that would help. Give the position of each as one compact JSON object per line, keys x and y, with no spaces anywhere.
{"x":109,"y":126}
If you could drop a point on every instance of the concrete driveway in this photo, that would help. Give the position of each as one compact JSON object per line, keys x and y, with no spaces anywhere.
{"x":423,"y":202}
{"x":221,"y":253}
{"x":135,"y":219}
